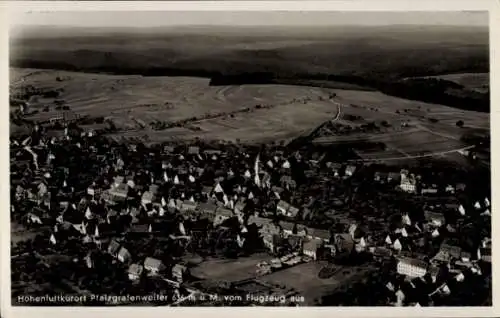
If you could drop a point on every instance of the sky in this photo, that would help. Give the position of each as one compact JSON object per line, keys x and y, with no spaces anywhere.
{"x":248,"y":18}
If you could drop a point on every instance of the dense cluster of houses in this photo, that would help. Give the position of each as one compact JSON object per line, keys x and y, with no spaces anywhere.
{"x":87,"y":188}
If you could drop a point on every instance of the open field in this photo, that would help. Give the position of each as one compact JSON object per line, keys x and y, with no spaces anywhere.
{"x":421,"y":138}
{"x":479,"y":82}
{"x":289,"y":111}
{"x":128,"y":99}
{"x":304,"y":279}
{"x":415,"y":145}
{"x":229,"y":270}
{"x":414,"y":109}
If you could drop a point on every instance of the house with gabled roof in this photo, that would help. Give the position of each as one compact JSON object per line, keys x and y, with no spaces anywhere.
{"x":436,"y":219}
{"x":135,"y":272}
{"x":259,"y":221}
{"x":271,"y":241}
{"x":295,"y":242}
{"x":207,"y":208}
{"x":179,"y":272}
{"x":319,"y":234}
{"x":411,"y":267}
{"x":292,"y":211}
{"x":344,"y":243}
{"x":239,"y":206}
{"x":193,"y":150}
{"x":34,"y":218}
{"x":188,"y":206}
{"x":393,"y":177}
{"x":447,"y":252}
{"x":380,"y":176}
{"x":118,"y":193}
{"x":349,"y":170}
{"x":310,"y":247}
{"x":282,"y":207}
{"x":139,"y":228}
{"x":484,"y":254}
{"x":124,"y":255}
{"x":380,"y":252}
{"x":113,"y":248}
{"x":222,"y":214}
{"x":153,"y":265}
{"x":148,"y":198}
{"x":118,"y":180}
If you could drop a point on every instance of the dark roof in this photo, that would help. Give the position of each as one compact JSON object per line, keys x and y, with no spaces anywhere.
{"x":287,"y":225}
{"x":224,"y":212}
{"x":207,"y":207}
{"x":312,"y":244}
{"x":294,"y":240}
{"x":429,"y":215}
{"x":323,"y":234}
{"x":382,"y":251}
{"x":452,"y":249}
{"x":259,"y":221}
{"x":485,"y":251}
{"x":113,"y":247}
{"x":193,"y":150}
{"x":139,"y":228}
{"x":345,"y":241}
{"x":393,"y":175}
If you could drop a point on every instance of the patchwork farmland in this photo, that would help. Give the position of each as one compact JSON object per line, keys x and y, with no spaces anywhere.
{"x":251,"y":113}
{"x":429,"y":129}
{"x":275,"y":110}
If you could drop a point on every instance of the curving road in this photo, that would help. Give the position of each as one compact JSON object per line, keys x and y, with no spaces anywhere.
{"x":339,"y":110}
{"x":307,"y":134}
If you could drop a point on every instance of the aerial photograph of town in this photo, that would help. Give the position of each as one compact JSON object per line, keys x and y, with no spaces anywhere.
{"x":285,"y":158}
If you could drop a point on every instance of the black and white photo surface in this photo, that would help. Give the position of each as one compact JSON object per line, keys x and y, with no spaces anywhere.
{"x":250,"y":159}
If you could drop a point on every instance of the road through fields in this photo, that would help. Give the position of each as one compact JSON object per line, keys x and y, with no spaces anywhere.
{"x":432,"y":154}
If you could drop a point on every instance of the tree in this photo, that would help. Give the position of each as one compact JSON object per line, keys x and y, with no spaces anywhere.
{"x":460,"y":123}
